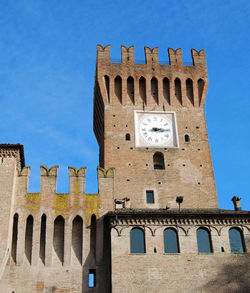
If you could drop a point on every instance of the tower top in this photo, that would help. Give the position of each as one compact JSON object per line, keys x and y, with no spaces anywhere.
{"x":151,"y":56}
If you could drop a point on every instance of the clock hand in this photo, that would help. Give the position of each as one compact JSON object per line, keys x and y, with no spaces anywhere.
{"x":156,"y":129}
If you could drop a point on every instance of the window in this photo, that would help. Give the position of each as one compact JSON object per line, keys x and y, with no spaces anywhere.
{"x":200,"y":89}
{"x":130,"y":88}
{"x":118,"y":88}
{"x":178,"y":93}
{"x":14,"y":237}
{"x":171,"y":243}
{"x":158,"y":160}
{"x":142,"y":88}
{"x":58,"y":238}
{"x":189,"y":90}
{"x":92,"y":278}
{"x":154,"y":89}
{"x":150,"y":196}
{"x":187,"y":138}
{"x":43,"y":238}
{"x":236,"y":240}
{"x":204,"y":241}
{"x":166,"y":89}
{"x":127,"y":136}
{"x":137,"y":241}
{"x":29,"y":238}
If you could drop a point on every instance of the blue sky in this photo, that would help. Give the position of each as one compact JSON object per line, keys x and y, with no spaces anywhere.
{"x":47,"y":67}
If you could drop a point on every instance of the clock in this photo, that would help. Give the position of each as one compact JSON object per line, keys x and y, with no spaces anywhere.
{"x":156,"y":129}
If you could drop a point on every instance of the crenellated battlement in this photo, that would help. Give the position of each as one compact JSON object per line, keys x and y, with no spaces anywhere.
{"x":151,"y":56}
{"x":132,"y":83}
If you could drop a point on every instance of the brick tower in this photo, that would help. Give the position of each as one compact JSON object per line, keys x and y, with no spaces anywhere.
{"x":132,"y":103}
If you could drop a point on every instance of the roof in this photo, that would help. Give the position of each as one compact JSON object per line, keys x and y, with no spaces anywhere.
{"x":173,"y":212}
{"x":15,"y":147}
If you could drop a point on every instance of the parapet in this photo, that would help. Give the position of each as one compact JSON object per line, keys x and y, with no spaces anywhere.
{"x":13,"y":151}
{"x":150,"y":83}
{"x":151,"y":56}
{"x":48,"y":181}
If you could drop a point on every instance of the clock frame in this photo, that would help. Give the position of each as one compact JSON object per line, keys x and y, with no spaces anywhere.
{"x":156,"y":129}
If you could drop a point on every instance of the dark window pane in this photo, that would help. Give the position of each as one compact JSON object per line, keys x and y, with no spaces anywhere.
{"x":203,"y":240}
{"x":150,"y":196}
{"x":171,"y":241}
{"x":137,"y":241}
{"x":235,"y":238}
{"x":158,"y":167}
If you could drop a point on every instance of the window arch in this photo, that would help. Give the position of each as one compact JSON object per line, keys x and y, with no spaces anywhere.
{"x":142,"y":89}
{"x":187,"y":138}
{"x":14,"y":237}
{"x":77,"y":226}
{"x":204,"y":240}
{"x":154,"y":89}
{"x":171,"y":242}
{"x":137,"y":241}
{"x":189,"y":90}
{"x":127,"y":137}
{"x":200,"y":89}
{"x":118,"y":88}
{"x":236,"y":240}
{"x":166,"y":89}
{"x":106,"y":78}
{"x":43,"y":238}
{"x":29,"y":237}
{"x":130,"y":88}
{"x":58,"y":239}
{"x":158,"y":160}
{"x":178,"y":93}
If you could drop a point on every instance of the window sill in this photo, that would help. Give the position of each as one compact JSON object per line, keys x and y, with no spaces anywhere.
{"x":171,"y":253}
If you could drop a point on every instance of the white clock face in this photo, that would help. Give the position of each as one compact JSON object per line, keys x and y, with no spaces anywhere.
{"x":156,"y":130}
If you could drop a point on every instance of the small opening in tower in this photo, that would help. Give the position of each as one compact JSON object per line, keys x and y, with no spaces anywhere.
{"x":158,"y":160}
{"x":150,"y":196}
{"x":92,"y":278}
{"x":127,"y":136}
{"x":154,"y":89}
{"x":187,"y":138}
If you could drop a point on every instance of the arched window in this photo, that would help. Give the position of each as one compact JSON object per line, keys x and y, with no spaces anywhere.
{"x":236,"y":240}
{"x":137,"y":241}
{"x":142,"y":89}
{"x":158,"y":160}
{"x":127,"y":136}
{"x":187,"y":138}
{"x":118,"y":88}
{"x":154,"y":89}
{"x":171,"y":243}
{"x":200,"y":89}
{"x":106,"y":78}
{"x":77,"y":226}
{"x":43,"y":238}
{"x":166,"y":90}
{"x":204,"y":240}
{"x":93,"y":234}
{"x":189,"y":90}
{"x":14,"y":237}
{"x":178,"y":94}
{"x":58,"y":240}
{"x":130,"y":88}
{"x":29,"y":238}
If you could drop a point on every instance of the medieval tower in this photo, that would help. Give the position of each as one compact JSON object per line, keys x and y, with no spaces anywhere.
{"x":154,"y":225}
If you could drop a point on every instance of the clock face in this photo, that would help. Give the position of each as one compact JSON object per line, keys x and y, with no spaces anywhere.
{"x":155,"y":129}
